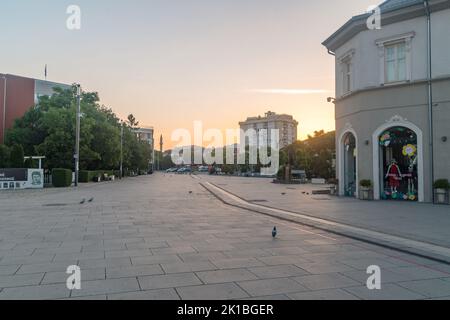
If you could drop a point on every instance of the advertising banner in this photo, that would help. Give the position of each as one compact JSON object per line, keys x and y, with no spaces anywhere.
{"x":11,"y":179}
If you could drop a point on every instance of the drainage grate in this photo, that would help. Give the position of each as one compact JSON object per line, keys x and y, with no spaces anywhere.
{"x":55,"y":205}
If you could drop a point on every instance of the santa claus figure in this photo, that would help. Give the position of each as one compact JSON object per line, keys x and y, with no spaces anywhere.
{"x":394,"y":176}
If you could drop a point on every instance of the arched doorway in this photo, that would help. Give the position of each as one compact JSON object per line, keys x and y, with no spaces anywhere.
{"x":398,"y":162}
{"x":349,"y":165}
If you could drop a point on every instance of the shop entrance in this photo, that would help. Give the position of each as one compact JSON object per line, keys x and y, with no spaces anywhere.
{"x":350,"y":182}
{"x":398,"y":164}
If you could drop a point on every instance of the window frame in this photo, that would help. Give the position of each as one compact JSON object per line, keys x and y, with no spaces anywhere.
{"x":346,"y":63}
{"x":383,"y":45}
{"x":396,"y":61}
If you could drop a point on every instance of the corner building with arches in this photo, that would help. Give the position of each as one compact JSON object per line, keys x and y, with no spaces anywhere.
{"x":392,"y":104}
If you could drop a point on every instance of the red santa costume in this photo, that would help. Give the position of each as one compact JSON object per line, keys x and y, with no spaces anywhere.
{"x":394,"y":175}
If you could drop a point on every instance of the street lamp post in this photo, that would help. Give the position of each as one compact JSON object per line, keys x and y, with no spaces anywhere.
{"x":4,"y":108}
{"x":77,"y":139}
{"x":121,"y":150}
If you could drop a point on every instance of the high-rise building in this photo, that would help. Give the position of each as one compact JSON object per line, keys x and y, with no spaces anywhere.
{"x":286,"y":125}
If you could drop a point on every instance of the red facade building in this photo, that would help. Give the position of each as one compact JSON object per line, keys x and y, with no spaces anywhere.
{"x":18,"y":95}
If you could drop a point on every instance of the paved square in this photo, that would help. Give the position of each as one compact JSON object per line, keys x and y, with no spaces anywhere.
{"x":167,"y":237}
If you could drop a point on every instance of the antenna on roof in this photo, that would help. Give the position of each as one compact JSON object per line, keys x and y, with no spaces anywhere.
{"x":45,"y":72}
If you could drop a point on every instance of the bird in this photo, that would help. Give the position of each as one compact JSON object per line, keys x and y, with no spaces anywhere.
{"x":283,"y":193}
{"x":91,"y":199}
{"x":190,"y":192}
{"x":274,"y":232}
{"x":83,"y":201}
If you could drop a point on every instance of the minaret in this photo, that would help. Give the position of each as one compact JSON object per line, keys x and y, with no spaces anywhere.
{"x":161,"y":143}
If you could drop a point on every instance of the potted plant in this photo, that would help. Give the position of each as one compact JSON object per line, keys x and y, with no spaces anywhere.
{"x":365,"y":189}
{"x":334,"y":183}
{"x":441,"y":188}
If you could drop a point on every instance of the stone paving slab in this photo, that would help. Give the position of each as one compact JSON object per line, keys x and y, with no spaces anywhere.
{"x":61,"y":277}
{"x":89,"y":288}
{"x":327,"y":281}
{"x":41,"y":292}
{"x":433,"y":288}
{"x":225,"y":291}
{"x":182,"y":267}
{"x":388,"y":292}
{"x":334,"y":294}
{"x":168,"y":281}
{"x":140,"y":242}
{"x":133,"y":271}
{"x":283,"y":271}
{"x":222,"y":276}
{"x":271,"y":286}
{"x":161,"y":294}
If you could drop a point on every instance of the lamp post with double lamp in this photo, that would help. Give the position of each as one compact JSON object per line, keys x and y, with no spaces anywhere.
{"x":4,"y":108}
{"x":121,"y":149}
{"x":77,"y":138}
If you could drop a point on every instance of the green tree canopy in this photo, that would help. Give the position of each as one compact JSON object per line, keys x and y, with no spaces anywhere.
{"x":16,"y":156}
{"x":48,"y":129}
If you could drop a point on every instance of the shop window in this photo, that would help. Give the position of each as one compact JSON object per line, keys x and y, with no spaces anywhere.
{"x":399,"y":164}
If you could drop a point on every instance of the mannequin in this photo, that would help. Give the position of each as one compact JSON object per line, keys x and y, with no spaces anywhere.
{"x":412,"y":164}
{"x":395,"y":176}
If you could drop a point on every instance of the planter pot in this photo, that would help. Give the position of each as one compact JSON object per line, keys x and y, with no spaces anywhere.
{"x":441,"y":196}
{"x":333,"y":190}
{"x":365,"y":193}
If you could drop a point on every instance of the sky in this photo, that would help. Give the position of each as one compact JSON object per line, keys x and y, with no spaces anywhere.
{"x":172,"y":62}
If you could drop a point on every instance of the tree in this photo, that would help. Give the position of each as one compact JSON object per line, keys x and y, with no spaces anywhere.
{"x":314,"y":155}
{"x":48,"y":129}
{"x":17,"y":156}
{"x":4,"y":156}
{"x":132,"y":121}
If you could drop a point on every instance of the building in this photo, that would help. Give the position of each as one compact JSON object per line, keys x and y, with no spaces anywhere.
{"x":286,"y":125}
{"x":18,"y":95}
{"x":393,"y":100}
{"x":146,"y":134}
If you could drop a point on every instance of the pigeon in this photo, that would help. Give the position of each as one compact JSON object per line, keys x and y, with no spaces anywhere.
{"x":91,"y":199}
{"x":274,"y":232}
{"x":83,"y":201}
{"x":284,"y":193}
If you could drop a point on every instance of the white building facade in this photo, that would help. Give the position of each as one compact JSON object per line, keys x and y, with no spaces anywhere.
{"x":286,"y":125}
{"x":393,"y":100}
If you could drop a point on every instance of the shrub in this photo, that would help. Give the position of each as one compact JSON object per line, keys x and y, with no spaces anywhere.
{"x":85,"y":176}
{"x":365,"y":183}
{"x":442,"y":184}
{"x":17,"y":156}
{"x":62,"y":178}
{"x":4,"y":156}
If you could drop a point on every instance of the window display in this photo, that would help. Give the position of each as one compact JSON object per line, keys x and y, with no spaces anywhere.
{"x":399,"y":163}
